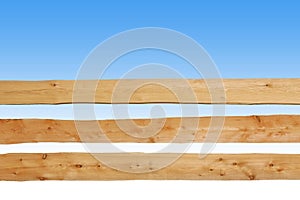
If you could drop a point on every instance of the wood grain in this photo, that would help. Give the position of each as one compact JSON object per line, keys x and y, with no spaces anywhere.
{"x":256,"y":129}
{"x":81,"y":166}
{"x":238,"y":91}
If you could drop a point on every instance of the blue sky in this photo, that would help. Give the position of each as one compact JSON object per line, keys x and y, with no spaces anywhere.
{"x":50,"y":40}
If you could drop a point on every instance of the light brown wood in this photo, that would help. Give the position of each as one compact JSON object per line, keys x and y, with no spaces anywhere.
{"x":80,"y":166}
{"x":238,"y":91}
{"x":257,"y":129}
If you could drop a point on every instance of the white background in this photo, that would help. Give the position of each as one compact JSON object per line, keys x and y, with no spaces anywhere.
{"x":152,"y":190}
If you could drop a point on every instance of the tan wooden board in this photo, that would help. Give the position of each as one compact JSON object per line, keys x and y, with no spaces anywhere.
{"x":81,"y":166}
{"x":238,"y":91}
{"x":251,"y":129}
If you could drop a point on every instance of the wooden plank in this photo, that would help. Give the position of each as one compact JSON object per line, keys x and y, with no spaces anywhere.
{"x":81,"y":166}
{"x":238,"y":91}
{"x":256,"y":129}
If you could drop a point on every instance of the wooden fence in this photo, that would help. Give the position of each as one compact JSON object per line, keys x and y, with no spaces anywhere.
{"x":83,"y":166}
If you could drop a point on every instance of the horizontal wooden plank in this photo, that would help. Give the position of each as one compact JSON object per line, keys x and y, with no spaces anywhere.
{"x":81,"y":166}
{"x":238,"y":91}
{"x":256,"y":129}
